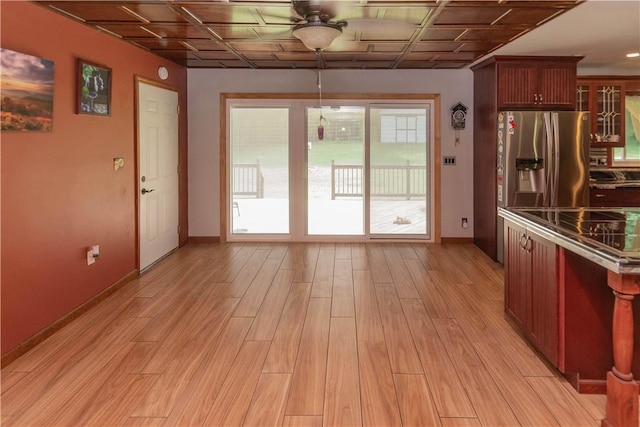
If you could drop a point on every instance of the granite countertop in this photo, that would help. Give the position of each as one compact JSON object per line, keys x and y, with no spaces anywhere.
{"x":614,"y":178}
{"x":609,"y":237}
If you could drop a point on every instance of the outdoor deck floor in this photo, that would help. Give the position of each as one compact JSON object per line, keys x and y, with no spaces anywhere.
{"x":331,"y":217}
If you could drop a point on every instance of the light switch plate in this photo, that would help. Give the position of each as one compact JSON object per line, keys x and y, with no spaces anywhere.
{"x":118,"y":163}
{"x":90,"y":258}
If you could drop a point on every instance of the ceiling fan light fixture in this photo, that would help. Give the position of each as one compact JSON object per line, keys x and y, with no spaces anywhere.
{"x":317,"y":35}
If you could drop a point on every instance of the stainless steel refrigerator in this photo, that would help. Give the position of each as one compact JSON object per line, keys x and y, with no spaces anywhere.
{"x":543,"y":161}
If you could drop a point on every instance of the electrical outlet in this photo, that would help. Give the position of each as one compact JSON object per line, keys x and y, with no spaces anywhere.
{"x":465,"y":223}
{"x":90,"y":258}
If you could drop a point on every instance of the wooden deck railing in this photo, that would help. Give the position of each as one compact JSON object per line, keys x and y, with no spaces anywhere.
{"x":248,"y":180}
{"x":386,"y":180}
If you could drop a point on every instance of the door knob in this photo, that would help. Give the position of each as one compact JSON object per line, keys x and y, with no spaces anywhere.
{"x":145,"y":191}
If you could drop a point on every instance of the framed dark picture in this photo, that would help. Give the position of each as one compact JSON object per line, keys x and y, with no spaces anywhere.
{"x":94,"y":89}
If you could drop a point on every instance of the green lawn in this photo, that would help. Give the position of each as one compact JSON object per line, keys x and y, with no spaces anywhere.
{"x":323,"y":152}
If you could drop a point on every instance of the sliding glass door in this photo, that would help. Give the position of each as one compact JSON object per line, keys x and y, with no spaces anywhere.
{"x":398,"y":172}
{"x":352,"y":170}
{"x":335,"y":179}
{"x":259,"y":170}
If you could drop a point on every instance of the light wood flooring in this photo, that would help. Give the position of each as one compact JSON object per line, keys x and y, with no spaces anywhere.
{"x":297,"y":335}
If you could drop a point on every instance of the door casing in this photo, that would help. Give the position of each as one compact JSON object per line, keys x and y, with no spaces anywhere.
{"x":138,"y":185}
{"x":225,"y":98}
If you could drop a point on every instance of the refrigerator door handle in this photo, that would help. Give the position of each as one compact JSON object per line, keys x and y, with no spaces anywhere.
{"x":556,"y":156}
{"x":549,"y":166}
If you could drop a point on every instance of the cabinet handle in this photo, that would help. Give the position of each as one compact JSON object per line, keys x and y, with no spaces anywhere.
{"x":524,"y":241}
{"x":535,"y":98}
{"x":540,"y":98}
{"x":528,"y":245}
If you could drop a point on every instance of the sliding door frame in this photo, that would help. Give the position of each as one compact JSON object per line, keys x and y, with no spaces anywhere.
{"x":224,"y":199}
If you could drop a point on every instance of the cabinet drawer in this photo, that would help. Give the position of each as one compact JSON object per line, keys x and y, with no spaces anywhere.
{"x":631,"y":197}
{"x":606,"y":198}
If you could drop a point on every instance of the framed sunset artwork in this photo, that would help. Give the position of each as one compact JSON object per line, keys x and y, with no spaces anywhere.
{"x":26,"y":92}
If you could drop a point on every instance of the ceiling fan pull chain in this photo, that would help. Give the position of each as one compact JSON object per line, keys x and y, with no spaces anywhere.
{"x":320,"y":89}
{"x":320,"y":126}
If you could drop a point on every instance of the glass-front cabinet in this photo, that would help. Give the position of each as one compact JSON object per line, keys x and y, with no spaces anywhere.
{"x":604,"y":100}
{"x":582,"y":97}
{"x":609,"y":113}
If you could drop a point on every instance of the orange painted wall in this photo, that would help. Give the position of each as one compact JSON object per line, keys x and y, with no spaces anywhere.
{"x":59,"y":191}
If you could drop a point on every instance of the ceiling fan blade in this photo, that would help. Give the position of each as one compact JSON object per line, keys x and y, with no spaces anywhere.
{"x":271,"y":17}
{"x":344,"y":44}
{"x":381,"y":29}
{"x":275,"y":34}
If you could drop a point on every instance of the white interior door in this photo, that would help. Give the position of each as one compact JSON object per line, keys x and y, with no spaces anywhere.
{"x":158,"y":172}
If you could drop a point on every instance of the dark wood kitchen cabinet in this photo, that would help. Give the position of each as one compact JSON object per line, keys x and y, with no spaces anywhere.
{"x":606,"y":198}
{"x":604,"y":97}
{"x":509,"y":83}
{"x":631,"y":197}
{"x":531,"y":288}
{"x":614,"y":197}
{"x":561,"y":302}
{"x":538,"y":84}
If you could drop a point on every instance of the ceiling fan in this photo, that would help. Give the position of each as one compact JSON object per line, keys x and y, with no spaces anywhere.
{"x":316,"y":28}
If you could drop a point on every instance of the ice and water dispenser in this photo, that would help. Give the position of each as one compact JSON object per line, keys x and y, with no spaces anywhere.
{"x":530,"y":182}
{"x":521,"y":180}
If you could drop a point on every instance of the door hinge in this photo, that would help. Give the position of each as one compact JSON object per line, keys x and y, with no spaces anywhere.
{"x":178,"y":108}
{"x":178,"y":228}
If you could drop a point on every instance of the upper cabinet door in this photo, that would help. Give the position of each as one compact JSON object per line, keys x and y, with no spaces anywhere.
{"x":531,"y":85}
{"x":556,"y":82}
{"x":604,"y":100}
{"x":517,"y":84}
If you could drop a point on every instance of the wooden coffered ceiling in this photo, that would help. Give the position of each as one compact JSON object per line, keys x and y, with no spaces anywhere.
{"x":257,"y":34}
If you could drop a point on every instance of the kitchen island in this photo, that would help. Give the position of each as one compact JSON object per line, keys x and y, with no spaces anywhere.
{"x":571,"y":277}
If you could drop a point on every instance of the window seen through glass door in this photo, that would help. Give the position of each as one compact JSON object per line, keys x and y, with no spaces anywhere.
{"x":398,"y":175}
